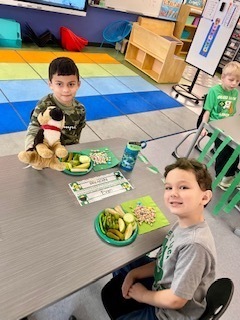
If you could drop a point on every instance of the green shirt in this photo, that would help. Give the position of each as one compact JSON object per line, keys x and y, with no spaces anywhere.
{"x":75,"y":121}
{"x":221,"y":103}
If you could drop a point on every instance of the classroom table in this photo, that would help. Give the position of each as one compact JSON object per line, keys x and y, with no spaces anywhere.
{"x":230,"y":126}
{"x":48,"y":244}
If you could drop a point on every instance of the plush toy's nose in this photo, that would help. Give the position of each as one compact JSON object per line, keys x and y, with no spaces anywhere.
{"x":56,"y":114}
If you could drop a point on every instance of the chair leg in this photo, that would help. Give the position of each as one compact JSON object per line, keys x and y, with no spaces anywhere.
{"x":237,"y":232}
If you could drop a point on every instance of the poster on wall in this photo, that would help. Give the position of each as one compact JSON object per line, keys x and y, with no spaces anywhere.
{"x":199,"y":4}
{"x":169,"y":9}
{"x":215,"y":28}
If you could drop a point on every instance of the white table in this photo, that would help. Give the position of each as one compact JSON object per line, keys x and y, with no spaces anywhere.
{"x":230,"y":126}
{"x":49,"y":248}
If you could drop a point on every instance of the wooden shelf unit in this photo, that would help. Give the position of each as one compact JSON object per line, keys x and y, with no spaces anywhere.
{"x":186,"y":14}
{"x":154,"y":54}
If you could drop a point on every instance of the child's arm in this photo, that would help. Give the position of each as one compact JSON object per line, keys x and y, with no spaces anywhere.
{"x":82,"y":120}
{"x":32,"y":130}
{"x":142,"y":272}
{"x":205,"y":118}
{"x":194,"y":263}
{"x":160,"y":299}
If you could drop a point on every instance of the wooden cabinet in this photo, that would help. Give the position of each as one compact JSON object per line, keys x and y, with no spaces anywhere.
{"x":154,"y":50}
{"x":186,"y":26}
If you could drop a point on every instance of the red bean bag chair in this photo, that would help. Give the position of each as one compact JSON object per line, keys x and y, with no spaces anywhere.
{"x":70,"y":41}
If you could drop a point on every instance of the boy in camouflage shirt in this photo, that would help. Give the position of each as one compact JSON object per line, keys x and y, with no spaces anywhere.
{"x":64,"y":81}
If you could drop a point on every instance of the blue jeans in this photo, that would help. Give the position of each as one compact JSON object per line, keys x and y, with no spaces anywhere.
{"x":140,"y":311}
{"x":147,"y":313}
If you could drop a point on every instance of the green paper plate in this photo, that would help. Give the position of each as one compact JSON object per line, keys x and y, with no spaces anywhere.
{"x":113,"y":242}
{"x":79,"y":173}
{"x":161,"y":220}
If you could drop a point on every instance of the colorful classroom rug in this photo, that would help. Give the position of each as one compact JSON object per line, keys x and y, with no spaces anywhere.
{"x":108,"y":88}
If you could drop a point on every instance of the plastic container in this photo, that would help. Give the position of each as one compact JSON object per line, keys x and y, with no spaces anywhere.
{"x":185,"y":34}
{"x":10,"y":33}
{"x":130,"y":155}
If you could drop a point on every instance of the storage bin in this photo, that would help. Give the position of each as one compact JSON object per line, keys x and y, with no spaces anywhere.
{"x":185,"y":34}
{"x":10,"y":33}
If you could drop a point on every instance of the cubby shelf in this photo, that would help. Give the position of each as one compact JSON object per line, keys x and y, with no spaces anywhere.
{"x":184,"y":30}
{"x":155,"y":54}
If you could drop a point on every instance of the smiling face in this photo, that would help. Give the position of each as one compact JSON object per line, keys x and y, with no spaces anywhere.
{"x":64,"y":88}
{"x":184,"y":197}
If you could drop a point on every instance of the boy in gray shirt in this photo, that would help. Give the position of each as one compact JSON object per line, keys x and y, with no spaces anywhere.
{"x":174,"y":285}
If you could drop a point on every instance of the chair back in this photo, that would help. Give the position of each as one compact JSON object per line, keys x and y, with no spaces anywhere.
{"x":219,"y":296}
{"x":117,"y":31}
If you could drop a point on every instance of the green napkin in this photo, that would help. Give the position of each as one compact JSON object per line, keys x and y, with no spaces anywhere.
{"x":147,"y":201}
{"x":110,"y":164}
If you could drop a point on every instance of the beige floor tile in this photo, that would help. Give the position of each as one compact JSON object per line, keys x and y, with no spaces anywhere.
{"x":118,"y":127}
{"x":184,"y":117}
{"x":155,"y":123}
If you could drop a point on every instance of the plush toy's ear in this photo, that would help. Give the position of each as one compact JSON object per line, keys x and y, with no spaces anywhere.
{"x":43,"y":115}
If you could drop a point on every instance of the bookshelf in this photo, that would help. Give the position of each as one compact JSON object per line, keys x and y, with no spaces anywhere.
{"x":154,"y":50}
{"x":232,"y":51}
{"x":186,"y":26}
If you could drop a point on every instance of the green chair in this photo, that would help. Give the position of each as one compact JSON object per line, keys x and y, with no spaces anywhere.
{"x":225,"y":141}
{"x":229,"y":199}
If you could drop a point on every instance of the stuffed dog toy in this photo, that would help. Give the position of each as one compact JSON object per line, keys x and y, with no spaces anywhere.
{"x":47,"y":147}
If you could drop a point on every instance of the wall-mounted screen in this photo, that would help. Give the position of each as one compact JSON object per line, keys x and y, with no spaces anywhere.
{"x":73,"y":7}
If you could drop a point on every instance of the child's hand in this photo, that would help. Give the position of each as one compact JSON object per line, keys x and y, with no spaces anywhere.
{"x":127,"y":283}
{"x":137,"y":291}
{"x":204,"y":132}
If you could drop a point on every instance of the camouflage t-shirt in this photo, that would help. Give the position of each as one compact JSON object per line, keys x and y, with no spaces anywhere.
{"x":75,"y":121}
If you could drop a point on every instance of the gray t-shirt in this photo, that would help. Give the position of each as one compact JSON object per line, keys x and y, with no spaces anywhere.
{"x":186,"y":263}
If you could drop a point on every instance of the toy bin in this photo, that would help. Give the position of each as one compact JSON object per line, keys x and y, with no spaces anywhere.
{"x":10,"y":33}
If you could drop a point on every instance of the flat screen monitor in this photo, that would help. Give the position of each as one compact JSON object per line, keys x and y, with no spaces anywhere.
{"x":73,"y":7}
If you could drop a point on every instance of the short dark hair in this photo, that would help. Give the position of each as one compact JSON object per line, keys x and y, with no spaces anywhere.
{"x":62,"y":66}
{"x":199,"y":169}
